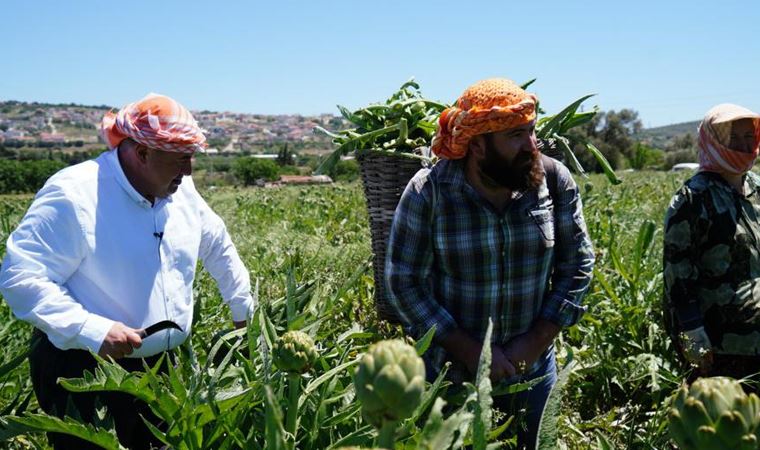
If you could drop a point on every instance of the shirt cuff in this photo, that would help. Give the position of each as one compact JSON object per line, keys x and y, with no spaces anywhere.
{"x":443,"y":322}
{"x":242,"y":310}
{"x":561,"y":311}
{"x":94,"y":332}
{"x":689,"y":316}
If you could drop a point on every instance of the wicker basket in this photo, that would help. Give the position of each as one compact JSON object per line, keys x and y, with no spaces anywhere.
{"x":550,"y":148}
{"x":385,"y":176}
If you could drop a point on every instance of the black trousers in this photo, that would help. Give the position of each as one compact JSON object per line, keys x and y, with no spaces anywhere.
{"x":47,"y":363}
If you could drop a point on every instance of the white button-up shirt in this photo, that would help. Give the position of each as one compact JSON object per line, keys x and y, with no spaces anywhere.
{"x":91,"y":250}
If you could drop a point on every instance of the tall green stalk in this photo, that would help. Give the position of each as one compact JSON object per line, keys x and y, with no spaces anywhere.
{"x":294,"y":353}
{"x":294,"y":391}
{"x":386,"y":437}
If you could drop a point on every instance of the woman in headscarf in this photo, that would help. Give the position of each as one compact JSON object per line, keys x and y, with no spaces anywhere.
{"x":712,"y":250}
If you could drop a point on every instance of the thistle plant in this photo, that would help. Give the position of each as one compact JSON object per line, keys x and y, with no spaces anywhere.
{"x":294,"y":353}
{"x":389,"y":383}
{"x":716,"y":414}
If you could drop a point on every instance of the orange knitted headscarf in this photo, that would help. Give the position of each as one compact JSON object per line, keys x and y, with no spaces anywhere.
{"x":487,"y":106}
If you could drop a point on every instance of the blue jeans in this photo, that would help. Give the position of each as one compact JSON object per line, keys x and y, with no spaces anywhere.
{"x":528,"y":405}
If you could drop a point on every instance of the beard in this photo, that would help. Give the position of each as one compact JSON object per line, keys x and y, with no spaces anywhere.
{"x":524,"y":172}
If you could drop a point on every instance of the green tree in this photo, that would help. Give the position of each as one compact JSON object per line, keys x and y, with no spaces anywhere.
{"x":645,"y":157}
{"x":684,"y":141}
{"x":248,"y":170}
{"x":285,"y":157}
{"x":612,"y":133}
{"x":345,"y":170}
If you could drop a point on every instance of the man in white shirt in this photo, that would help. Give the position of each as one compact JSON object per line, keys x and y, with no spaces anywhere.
{"x":108,"y":248}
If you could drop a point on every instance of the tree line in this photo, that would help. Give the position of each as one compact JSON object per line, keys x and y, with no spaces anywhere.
{"x":614,"y":133}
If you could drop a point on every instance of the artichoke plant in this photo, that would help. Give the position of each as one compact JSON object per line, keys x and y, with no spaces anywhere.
{"x":715,"y":414}
{"x":403,"y":124}
{"x":389,"y":383}
{"x":294,"y":352}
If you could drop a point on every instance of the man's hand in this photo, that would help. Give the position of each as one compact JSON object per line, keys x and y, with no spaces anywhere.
{"x":705,"y":363}
{"x":501,"y":366}
{"x":523,"y":350}
{"x":467,"y":350}
{"x":120,"y":341}
{"x":698,"y":349}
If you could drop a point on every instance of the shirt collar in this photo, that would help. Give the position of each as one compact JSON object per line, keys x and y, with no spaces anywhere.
{"x":751,"y":183}
{"x":451,"y":171}
{"x":113,"y":159}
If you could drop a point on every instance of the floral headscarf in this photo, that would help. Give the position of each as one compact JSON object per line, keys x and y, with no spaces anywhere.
{"x":715,"y":137}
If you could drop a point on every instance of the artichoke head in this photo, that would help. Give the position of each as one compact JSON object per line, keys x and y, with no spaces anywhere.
{"x":389,"y":381}
{"x":294,"y":352}
{"x":715,"y":414}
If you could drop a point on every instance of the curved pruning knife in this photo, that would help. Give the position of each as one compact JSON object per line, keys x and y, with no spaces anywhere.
{"x":158,"y":326}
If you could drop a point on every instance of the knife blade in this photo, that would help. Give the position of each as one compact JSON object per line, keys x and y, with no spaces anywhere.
{"x":158,"y":326}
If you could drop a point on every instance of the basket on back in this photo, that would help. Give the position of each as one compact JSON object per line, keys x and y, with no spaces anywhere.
{"x":386,"y":139}
{"x":384,"y":177}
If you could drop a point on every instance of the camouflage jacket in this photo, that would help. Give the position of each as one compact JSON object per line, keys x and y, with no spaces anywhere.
{"x":712,"y":262}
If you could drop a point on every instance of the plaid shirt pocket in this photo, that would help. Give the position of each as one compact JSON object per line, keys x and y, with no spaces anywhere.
{"x":543,"y":218}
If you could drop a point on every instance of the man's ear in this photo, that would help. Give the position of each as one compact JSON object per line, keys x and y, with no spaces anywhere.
{"x":477,"y":146}
{"x":142,"y":153}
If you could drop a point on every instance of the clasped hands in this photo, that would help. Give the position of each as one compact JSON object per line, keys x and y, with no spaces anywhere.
{"x":510,"y":359}
{"x":513,"y":358}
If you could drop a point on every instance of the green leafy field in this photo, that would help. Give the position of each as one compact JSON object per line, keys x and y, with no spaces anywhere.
{"x":308,"y":249}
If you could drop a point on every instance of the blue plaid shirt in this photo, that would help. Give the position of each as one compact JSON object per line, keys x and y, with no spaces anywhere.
{"x":454,"y":261}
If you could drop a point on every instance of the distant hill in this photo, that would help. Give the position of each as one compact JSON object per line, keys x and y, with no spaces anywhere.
{"x":32,"y":125}
{"x":58,"y":126}
{"x":660,"y":136}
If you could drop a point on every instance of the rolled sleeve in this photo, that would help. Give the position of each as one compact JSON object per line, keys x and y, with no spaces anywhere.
{"x":409,"y":260}
{"x":563,"y":312}
{"x":221,"y":259}
{"x":574,"y":256}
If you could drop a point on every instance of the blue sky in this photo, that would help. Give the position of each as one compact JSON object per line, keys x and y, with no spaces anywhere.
{"x":669,"y":60}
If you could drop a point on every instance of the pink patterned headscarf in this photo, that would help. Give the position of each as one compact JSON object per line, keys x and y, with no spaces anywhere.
{"x":715,"y":137}
{"x":157,"y":122}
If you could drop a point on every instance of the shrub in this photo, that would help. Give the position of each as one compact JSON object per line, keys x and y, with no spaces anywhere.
{"x":26,"y":176}
{"x":247,"y":170}
{"x":345,"y":170}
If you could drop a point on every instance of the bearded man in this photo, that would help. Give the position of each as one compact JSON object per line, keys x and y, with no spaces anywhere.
{"x":104,"y":262}
{"x":493,"y":231}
